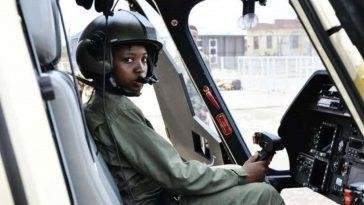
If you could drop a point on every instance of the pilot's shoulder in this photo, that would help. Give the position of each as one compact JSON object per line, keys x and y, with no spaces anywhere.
{"x":115,"y":106}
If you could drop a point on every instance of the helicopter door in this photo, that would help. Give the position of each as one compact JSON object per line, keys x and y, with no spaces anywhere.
{"x":186,"y":117}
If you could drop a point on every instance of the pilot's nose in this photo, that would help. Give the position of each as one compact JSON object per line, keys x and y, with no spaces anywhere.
{"x":141,"y":67}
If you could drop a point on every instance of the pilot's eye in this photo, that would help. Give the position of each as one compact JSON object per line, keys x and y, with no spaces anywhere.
{"x":144,"y":59}
{"x":128,"y":60}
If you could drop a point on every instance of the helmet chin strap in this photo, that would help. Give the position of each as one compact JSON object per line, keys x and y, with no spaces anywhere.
{"x":113,"y":87}
{"x":150,"y":80}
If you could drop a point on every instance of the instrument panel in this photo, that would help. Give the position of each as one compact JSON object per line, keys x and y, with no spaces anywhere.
{"x":325,"y":147}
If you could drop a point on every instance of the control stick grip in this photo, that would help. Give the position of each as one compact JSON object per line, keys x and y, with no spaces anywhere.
{"x":269,"y":143}
{"x":264,"y":155}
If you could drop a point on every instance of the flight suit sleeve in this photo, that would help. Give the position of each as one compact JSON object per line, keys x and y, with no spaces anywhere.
{"x":154,"y":157}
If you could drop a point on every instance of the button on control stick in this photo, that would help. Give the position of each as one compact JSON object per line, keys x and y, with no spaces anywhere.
{"x":269,"y":143}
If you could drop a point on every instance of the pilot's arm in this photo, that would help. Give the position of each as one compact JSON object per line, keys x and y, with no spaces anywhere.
{"x":156,"y":158}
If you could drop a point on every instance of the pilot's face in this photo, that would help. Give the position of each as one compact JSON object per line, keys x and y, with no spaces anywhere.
{"x":130,"y":62}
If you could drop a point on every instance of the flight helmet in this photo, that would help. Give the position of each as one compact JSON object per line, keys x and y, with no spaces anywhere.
{"x":122,"y":28}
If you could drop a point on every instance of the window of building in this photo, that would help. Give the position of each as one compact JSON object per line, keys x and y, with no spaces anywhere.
{"x":293,"y":41}
{"x":212,"y":45}
{"x":269,"y":41}
{"x":256,"y":42}
{"x":212,"y":42}
{"x":199,"y":44}
{"x":213,"y":51}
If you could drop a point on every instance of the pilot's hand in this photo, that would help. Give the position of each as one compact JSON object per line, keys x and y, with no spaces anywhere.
{"x":255,"y":169}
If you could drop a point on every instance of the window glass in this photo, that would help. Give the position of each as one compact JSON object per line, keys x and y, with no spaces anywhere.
{"x":64,"y":61}
{"x":213,"y":43}
{"x":264,"y":68}
{"x":213,"y":51}
{"x":294,"y":41}
{"x":256,"y":42}
{"x":269,"y":41}
{"x":163,"y":35}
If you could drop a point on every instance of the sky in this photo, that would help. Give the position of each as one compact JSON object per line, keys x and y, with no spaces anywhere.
{"x":210,"y":16}
{"x":221,"y":16}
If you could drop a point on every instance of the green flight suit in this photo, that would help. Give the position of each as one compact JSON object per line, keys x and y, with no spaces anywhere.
{"x":148,"y":168}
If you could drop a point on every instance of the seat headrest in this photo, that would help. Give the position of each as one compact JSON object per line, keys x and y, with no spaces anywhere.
{"x":42,"y":21}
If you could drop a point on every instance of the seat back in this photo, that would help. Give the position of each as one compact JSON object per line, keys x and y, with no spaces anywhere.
{"x":89,"y":179}
{"x":87,"y":175}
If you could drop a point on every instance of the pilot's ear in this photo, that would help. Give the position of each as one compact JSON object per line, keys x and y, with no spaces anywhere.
{"x":87,"y":63}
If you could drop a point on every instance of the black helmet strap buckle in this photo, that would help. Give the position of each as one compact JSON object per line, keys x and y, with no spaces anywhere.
{"x":150,"y":80}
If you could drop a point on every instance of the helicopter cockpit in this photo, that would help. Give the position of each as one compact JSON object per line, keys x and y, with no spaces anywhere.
{"x":221,"y":79}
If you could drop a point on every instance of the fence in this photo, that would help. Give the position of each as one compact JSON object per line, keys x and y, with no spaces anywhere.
{"x":271,"y":73}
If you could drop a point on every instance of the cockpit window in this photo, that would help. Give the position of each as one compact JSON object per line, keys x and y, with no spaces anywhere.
{"x":198,"y":105}
{"x":259,"y":70}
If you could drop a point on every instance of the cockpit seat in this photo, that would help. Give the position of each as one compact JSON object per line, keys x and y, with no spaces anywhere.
{"x":86,"y":174}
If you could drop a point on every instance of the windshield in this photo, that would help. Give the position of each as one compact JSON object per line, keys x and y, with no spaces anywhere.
{"x":259,"y":70}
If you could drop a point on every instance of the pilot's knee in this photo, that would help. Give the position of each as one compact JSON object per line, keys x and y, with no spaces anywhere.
{"x":266,"y":194}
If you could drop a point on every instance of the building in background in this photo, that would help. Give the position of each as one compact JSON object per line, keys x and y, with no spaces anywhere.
{"x":285,"y":37}
{"x":221,"y":45}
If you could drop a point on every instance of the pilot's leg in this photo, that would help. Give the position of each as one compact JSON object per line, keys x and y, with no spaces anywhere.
{"x":249,"y":194}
